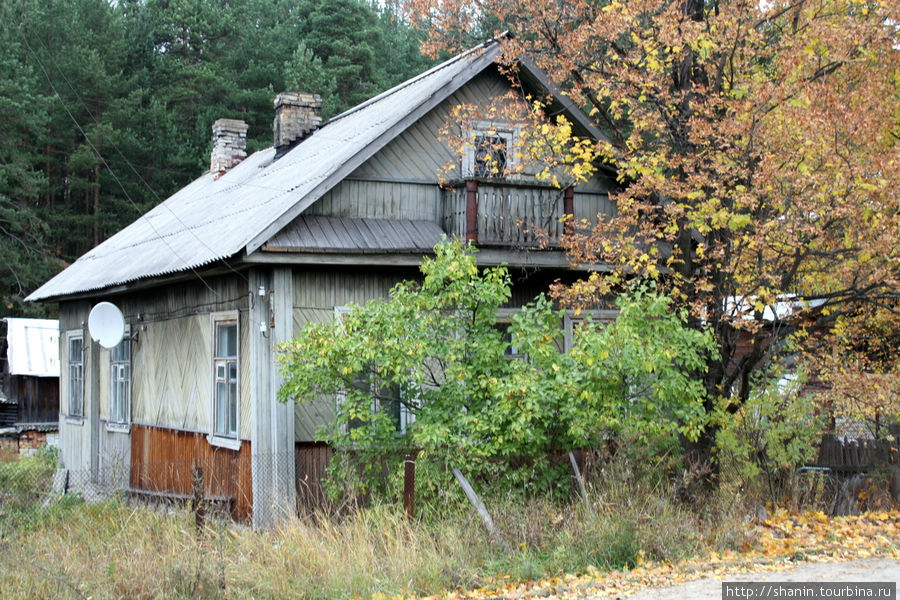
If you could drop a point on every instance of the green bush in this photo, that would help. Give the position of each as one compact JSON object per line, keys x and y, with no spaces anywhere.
{"x":434,"y":350}
{"x":775,"y":432}
{"x":25,"y":483}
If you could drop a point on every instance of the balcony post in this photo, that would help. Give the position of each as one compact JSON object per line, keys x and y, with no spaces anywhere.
{"x":569,"y":210}
{"x":472,"y":211}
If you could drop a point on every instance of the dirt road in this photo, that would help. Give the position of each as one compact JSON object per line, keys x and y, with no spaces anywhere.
{"x":868,"y":570}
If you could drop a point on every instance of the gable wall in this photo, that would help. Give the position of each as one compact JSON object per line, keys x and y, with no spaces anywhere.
{"x":401,"y":180}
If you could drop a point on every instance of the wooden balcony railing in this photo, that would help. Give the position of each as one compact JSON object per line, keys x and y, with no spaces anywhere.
{"x":505,"y":214}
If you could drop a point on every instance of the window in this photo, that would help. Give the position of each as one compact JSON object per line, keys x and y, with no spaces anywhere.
{"x":75,"y":361}
{"x":120,"y":382}
{"x":386,"y":395}
{"x":490,"y":153}
{"x":572,"y":322}
{"x":512,"y":349}
{"x":503,"y":325}
{"x":225,"y":376}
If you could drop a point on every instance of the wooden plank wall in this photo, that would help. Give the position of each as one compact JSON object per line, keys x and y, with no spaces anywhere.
{"x":38,"y":398}
{"x":380,"y":200}
{"x":316,"y":293}
{"x":852,"y":455}
{"x":311,"y":463}
{"x":162,"y":459}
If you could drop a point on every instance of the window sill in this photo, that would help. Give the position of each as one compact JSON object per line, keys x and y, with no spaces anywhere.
{"x":74,"y":420}
{"x":224,"y":442}
{"x":119,"y":427}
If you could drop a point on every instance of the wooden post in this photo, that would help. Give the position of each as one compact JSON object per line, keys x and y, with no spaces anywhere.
{"x":569,"y":210}
{"x":480,"y":509}
{"x":197,"y":497}
{"x":409,"y":485}
{"x":472,"y":211}
{"x":577,"y":472}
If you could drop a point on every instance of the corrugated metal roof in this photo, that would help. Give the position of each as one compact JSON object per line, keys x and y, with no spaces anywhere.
{"x":33,"y":347}
{"x":335,"y":234}
{"x":212,"y":219}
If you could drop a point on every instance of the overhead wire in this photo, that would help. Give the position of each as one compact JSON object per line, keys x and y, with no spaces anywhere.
{"x":127,"y":162}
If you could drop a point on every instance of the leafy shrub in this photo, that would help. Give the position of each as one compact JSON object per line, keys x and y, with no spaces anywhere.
{"x":774,"y":433}
{"x":433,"y":351}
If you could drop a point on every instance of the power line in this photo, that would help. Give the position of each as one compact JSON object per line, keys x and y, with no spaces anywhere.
{"x":127,"y":162}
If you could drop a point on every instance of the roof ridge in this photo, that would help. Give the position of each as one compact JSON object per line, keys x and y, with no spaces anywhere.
{"x":377,"y":98}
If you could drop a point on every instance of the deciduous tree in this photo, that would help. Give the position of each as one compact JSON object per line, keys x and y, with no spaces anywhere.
{"x":757,"y":150}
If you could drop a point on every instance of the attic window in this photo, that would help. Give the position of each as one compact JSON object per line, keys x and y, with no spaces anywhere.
{"x":490,"y":152}
{"x":490,"y":156}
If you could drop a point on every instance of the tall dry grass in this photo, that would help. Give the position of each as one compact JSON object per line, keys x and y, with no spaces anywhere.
{"x":114,"y":550}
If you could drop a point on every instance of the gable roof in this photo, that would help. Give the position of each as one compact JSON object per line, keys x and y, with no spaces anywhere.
{"x":214,"y":219}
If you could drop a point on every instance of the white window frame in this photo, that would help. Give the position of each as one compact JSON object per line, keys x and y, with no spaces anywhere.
{"x":120,"y":371}
{"x":570,"y":321}
{"x":341,"y":397}
{"x":229,"y":439}
{"x":75,"y":385}
{"x":509,"y":134}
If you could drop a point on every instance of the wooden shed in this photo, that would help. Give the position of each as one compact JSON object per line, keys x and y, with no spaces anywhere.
{"x":29,"y":382}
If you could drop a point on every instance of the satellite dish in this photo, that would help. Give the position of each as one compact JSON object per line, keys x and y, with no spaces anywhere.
{"x":106,"y":324}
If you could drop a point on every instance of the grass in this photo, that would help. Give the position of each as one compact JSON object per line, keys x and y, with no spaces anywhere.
{"x":114,"y":550}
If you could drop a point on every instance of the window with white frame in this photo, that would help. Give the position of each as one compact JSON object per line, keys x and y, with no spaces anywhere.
{"x":490,"y":151}
{"x":75,"y":366}
{"x":120,"y":382}
{"x":572,"y":321}
{"x":385,"y":395}
{"x":225,"y":376}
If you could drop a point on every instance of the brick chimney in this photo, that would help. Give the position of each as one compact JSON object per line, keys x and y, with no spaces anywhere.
{"x":230,"y":137}
{"x":296,"y":116}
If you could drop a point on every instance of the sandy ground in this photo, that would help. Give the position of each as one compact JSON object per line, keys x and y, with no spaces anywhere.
{"x":868,"y":570}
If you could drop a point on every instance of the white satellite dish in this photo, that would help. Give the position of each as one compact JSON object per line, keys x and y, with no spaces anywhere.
{"x":106,"y":324}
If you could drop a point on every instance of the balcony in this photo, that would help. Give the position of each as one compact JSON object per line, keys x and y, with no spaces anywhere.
{"x":506,"y":214}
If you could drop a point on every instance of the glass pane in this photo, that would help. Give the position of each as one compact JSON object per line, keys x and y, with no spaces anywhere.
{"x":117,"y":403}
{"x":232,"y":371}
{"x":75,"y":350}
{"x":490,"y":156}
{"x":226,"y":340}
{"x":232,"y":409}
{"x":221,"y":408}
{"x":220,"y":371}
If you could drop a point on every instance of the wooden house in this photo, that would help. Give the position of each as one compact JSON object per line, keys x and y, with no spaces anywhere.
{"x":29,"y":378}
{"x":210,"y":280}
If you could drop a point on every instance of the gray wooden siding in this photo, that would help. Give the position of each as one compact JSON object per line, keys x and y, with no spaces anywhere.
{"x":381,"y":200}
{"x":171,"y":362}
{"x":588,"y":206}
{"x":400,"y":181}
{"x":316,"y":293}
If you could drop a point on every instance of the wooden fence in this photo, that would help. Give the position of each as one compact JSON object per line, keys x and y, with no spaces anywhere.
{"x":855,"y":455}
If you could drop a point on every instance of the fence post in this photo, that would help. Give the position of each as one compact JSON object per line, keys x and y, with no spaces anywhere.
{"x":495,"y":533}
{"x":472,"y":211}
{"x":197,"y":497}
{"x":409,"y":485}
{"x":577,"y":472}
